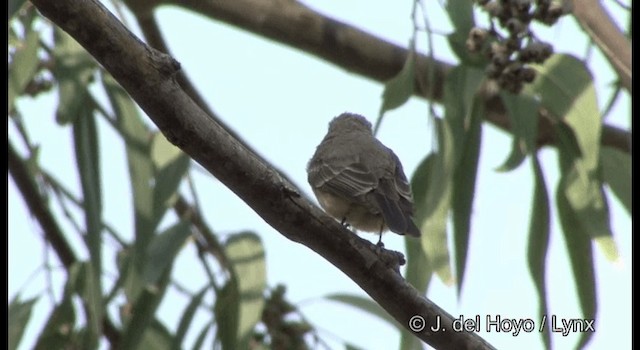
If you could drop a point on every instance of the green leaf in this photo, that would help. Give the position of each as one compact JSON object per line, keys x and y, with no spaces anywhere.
{"x":18,"y":318}
{"x":581,"y":258}
{"x":227,"y":309}
{"x":419,"y":265}
{"x":365,"y":304}
{"x":399,"y":89}
{"x":418,"y":271}
{"x":567,"y":142}
{"x":162,"y":251}
{"x":73,"y":71}
{"x":431,"y":212}
{"x":131,"y":273}
{"x":142,"y":314}
{"x":14,"y":6}
{"x":460,"y":88}
{"x":23,"y":67}
{"x":348,"y":346}
{"x":141,"y":172}
{"x":523,"y":114}
{"x":463,"y":117}
{"x":58,"y":332}
{"x":157,"y":337}
{"x":141,"y":169}
{"x":616,"y":172}
{"x":539,"y":229}
{"x":187,"y":317}
{"x":587,"y":203}
{"x":464,"y":189}
{"x":199,"y":343}
{"x":171,"y":165}
{"x":460,"y":14}
{"x":565,"y":87}
{"x":246,"y":255}
{"x":88,"y":162}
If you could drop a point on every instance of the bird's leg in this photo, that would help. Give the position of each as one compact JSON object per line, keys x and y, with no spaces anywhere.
{"x":344,"y":222}
{"x":380,"y":244}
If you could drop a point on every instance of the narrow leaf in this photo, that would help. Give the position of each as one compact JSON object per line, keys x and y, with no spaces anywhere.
{"x":73,"y":71}
{"x":461,"y":16}
{"x":163,"y":249}
{"x":19,"y":315}
{"x":464,"y":189}
{"x":187,"y":317}
{"x":88,"y":162}
{"x":419,"y":268}
{"x":431,"y":213}
{"x":523,"y":114}
{"x":539,"y":229}
{"x":463,"y":117}
{"x":141,"y":169}
{"x":171,"y":165}
{"x":129,"y":124}
{"x":23,"y":67}
{"x":142,"y":314}
{"x":157,"y":337}
{"x":227,"y":309}
{"x":566,"y":89}
{"x":58,"y":332}
{"x":14,"y":6}
{"x":581,"y":258}
{"x":399,"y":89}
{"x":616,"y":172}
{"x":348,"y":346}
{"x":199,"y":343}
{"x":587,"y":202}
{"x":246,"y":255}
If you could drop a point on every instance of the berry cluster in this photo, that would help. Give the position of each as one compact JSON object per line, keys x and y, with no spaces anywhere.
{"x":512,"y":48}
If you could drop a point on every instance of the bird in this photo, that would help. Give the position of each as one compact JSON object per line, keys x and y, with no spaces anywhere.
{"x":359,"y":181}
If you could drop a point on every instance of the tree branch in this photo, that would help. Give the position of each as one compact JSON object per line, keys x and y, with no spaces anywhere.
{"x":292,"y":23}
{"x":52,"y":231}
{"x":148,"y":76}
{"x":596,"y":21}
{"x":149,"y":26}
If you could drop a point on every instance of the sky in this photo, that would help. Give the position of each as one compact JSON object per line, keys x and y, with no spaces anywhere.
{"x":280,"y":100}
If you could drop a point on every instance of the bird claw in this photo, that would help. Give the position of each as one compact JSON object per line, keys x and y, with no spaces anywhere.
{"x":390,"y":258}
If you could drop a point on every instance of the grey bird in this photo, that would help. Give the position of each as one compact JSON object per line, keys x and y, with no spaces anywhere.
{"x":360,"y":181}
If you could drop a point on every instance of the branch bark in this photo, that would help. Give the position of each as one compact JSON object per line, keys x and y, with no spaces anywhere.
{"x":596,"y":21}
{"x":148,"y":76}
{"x":294,"y":24}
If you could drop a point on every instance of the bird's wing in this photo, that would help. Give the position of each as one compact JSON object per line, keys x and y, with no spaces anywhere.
{"x":393,"y":196}
{"x":402,"y":184}
{"x":346,"y":178}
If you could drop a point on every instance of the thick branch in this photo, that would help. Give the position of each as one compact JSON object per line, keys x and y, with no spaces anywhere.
{"x":596,"y":21}
{"x":148,"y":77}
{"x":291,"y":23}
